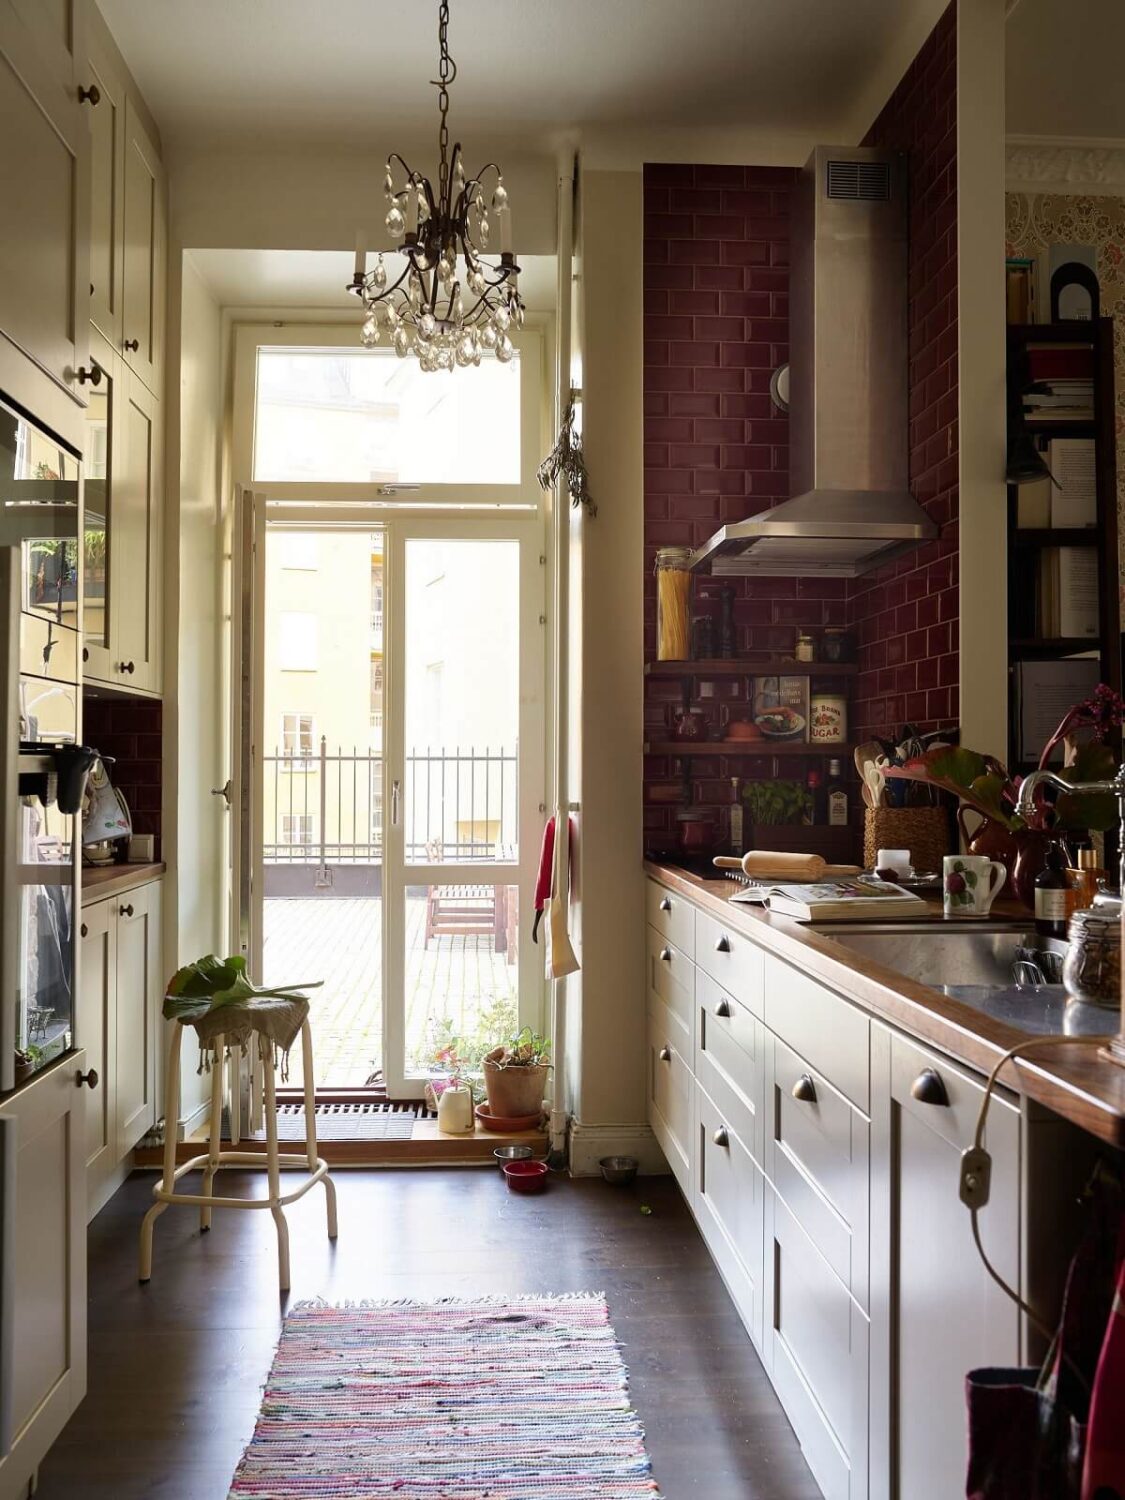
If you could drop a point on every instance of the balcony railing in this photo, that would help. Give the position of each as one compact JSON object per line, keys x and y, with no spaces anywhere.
{"x":458,"y":806}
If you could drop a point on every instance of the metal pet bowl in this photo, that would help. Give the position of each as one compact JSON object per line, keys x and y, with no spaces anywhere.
{"x":618,"y":1169}
{"x":505,"y":1154}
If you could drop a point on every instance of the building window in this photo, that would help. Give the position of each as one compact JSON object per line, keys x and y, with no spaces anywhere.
{"x":297,"y":828}
{"x":377,"y":607}
{"x":298,"y":736}
{"x":296,"y":641}
{"x":299,"y":550}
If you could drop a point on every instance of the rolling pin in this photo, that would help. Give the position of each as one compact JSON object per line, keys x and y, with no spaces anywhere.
{"x":760,"y":864}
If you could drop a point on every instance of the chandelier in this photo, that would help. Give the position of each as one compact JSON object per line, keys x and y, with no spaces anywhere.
{"x":449,"y":306}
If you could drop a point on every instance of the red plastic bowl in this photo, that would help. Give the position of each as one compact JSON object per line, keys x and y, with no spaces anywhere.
{"x":526,"y":1176}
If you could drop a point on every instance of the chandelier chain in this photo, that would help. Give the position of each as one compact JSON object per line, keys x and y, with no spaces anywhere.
{"x":447,"y":72}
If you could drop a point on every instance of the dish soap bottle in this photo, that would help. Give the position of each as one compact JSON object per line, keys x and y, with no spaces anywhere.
{"x":1051,"y":893}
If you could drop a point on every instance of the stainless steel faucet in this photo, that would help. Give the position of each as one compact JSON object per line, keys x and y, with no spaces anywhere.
{"x":1025,"y":804}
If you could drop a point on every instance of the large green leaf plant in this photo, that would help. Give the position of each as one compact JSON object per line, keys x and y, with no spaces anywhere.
{"x":212,"y":982}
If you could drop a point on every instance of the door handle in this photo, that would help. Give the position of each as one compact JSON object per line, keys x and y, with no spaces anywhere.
{"x":721,"y":1137}
{"x":223,"y":791}
{"x":132,"y":345}
{"x":929,"y":1088}
{"x":722,"y":944}
{"x":90,"y":1079}
{"x":666,"y":905}
{"x":125,"y":911}
{"x":665,"y":955}
{"x":665,"y":1054}
{"x":396,"y":797}
{"x":722,"y":1010}
{"x":804,"y":1089}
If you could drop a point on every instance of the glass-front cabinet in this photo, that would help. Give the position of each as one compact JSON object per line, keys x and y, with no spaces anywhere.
{"x":99,"y":531}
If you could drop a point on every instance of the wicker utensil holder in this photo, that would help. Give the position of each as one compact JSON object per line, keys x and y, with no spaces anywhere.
{"x":924,"y":831}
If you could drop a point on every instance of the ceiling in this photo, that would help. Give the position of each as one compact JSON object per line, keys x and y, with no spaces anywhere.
{"x":337,"y":70}
{"x":317,"y":278}
{"x":1063,"y":64}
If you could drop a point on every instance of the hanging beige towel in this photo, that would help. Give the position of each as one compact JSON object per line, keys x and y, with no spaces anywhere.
{"x":561,"y":958}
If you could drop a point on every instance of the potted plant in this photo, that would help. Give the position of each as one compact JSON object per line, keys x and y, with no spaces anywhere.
{"x":515,"y":1075}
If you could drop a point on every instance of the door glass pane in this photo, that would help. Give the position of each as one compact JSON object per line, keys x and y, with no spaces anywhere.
{"x":460,"y":972}
{"x":364,"y":416}
{"x":462,"y":701}
{"x":95,"y":609}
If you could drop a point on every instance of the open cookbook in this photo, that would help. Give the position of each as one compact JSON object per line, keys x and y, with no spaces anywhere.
{"x":857,"y":897}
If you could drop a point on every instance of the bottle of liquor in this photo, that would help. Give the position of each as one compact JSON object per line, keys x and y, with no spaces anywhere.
{"x":814,"y":807}
{"x":736,"y":830}
{"x":836,"y":797}
{"x":1051,"y":893}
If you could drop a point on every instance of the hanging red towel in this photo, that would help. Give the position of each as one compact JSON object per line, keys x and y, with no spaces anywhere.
{"x":1103,"y":1477}
{"x":545,"y":880}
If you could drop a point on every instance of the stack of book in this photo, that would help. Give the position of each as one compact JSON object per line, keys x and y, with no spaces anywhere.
{"x":1067,"y":593}
{"x":1063,"y":388}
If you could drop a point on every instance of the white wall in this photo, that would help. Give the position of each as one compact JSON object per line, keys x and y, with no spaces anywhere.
{"x":195,"y":713}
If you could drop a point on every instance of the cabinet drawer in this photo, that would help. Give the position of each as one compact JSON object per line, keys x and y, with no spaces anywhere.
{"x":822,"y":1026}
{"x":672,"y":916}
{"x":729,"y":1201}
{"x":818,"y":1158}
{"x":671,"y":979}
{"x":944,"y":1097}
{"x":670,"y":1088}
{"x":731,"y":959}
{"x":728,"y":1059}
{"x":816,"y":1350}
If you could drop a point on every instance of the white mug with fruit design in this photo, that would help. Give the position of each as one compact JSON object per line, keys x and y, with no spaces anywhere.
{"x":970,"y":884}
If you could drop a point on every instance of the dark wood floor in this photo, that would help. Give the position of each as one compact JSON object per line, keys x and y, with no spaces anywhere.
{"x":176,"y":1367}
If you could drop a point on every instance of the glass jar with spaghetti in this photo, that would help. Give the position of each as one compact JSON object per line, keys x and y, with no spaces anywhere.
{"x":673,"y":604}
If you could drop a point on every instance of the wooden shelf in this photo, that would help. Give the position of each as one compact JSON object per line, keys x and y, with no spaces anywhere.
{"x":1075,"y":427}
{"x":1056,"y":536}
{"x":1067,"y":331}
{"x":1061,"y":646}
{"x":757,"y":749}
{"x":751,"y":667}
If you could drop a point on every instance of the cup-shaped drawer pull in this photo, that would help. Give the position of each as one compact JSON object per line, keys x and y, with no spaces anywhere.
{"x":665,"y":1054}
{"x":721,"y":1137}
{"x":665,"y":955}
{"x":722,"y":1010}
{"x":722,"y":944}
{"x":928,"y":1088}
{"x":804,"y":1089}
{"x":666,"y":904}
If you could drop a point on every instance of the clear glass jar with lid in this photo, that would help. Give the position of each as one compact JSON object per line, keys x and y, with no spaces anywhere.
{"x":1092,"y":968}
{"x":673,"y":604}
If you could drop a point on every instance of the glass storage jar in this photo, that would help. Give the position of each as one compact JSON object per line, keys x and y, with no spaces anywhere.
{"x":673,"y":604}
{"x":1092,"y":969}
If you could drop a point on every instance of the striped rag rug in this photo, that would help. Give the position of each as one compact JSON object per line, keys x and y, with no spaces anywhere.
{"x":460,"y":1399}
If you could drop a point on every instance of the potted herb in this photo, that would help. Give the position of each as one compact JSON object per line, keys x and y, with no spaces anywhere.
{"x":515,"y":1075}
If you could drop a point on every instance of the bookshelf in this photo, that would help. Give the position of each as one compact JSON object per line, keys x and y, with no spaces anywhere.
{"x":1062,"y":356}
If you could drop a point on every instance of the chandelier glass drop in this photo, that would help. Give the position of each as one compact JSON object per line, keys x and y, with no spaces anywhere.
{"x":449,"y":306}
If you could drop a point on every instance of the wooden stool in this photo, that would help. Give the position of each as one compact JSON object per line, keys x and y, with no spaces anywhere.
{"x":317,"y":1170}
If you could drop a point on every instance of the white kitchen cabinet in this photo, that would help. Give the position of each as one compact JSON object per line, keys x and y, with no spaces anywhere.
{"x":139,"y":992}
{"x":45,"y":1123}
{"x":119,"y":1004}
{"x":144,"y":250}
{"x":44,"y":227}
{"x":936,"y":1313}
{"x":670,"y":1089}
{"x":107,"y":192}
{"x":728,"y":1199}
{"x":135,"y":542}
{"x":96,"y":1028}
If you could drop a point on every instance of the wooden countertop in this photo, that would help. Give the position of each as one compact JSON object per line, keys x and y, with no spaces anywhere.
{"x":1071,"y":1079}
{"x":102,"y":881}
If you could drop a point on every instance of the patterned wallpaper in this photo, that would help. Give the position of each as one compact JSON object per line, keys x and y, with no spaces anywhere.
{"x":1036,"y":220}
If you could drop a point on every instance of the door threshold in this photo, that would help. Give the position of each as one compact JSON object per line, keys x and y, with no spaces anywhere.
{"x":427,"y":1146}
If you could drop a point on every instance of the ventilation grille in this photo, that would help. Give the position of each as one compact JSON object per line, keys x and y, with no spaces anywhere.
{"x":860,"y":181}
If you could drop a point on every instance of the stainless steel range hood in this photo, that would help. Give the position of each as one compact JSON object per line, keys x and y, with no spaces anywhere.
{"x":848,"y":416}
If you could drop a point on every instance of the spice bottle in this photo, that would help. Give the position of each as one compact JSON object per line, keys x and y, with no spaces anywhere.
{"x":1052,"y":893}
{"x":673,"y":604}
{"x":1084,"y":880}
{"x":736,"y":823}
{"x":836,"y":797}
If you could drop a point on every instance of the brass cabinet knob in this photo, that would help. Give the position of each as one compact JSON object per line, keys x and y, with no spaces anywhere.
{"x":804,"y":1089}
{"x":665,"y":1054}
{"x":722,"y":945}
{"x":666,"y":904}
{"x":928,"y":1088}
{"x":721,"y":1138}
{"x":90,"y":1079}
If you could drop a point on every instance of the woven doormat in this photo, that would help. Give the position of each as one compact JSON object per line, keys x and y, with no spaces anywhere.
{"x":475,"y":1399}
{"x":348,"y":1122}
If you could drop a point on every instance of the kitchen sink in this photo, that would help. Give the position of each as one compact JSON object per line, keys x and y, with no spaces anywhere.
{"x":1009,"y":974}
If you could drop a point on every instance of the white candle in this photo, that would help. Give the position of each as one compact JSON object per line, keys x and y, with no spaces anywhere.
{"x":411,"y":211}
{"x":505,"y":229}
{"x":360,"y":254}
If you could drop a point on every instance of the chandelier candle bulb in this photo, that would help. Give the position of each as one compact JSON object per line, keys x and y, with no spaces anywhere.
{"x":360,"y":256}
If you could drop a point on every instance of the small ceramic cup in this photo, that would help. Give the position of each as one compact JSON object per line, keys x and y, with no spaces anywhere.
{"x":970,"y":884}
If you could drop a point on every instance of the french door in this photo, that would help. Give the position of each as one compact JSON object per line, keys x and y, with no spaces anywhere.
{"x":402,"y":863}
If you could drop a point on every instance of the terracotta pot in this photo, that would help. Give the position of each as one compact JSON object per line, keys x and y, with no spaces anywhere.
{"x":513,"y":1091}
{"x":1031,"y":857}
